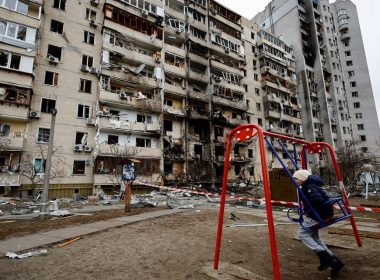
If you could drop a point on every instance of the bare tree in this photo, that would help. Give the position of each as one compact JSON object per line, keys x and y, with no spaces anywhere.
{"x":352,"y":163}
{"x":35,"y":173}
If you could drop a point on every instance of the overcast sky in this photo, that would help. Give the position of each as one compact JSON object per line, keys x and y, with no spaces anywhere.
{"x":369,"y":22}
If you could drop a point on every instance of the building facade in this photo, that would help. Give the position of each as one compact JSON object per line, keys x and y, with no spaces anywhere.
{"x":325,"y":44}
{"x":161,"y":83}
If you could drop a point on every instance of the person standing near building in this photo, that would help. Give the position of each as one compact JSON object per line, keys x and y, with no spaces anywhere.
{"x":311,"y":186}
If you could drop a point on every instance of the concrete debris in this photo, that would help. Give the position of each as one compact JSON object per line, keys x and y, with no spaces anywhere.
{"x":40,"y":252}
{"x":140,"y":202}
{"x":60,"y":213}
{"x":174,"y":203}
{"x":234,"y":217}
{"x":22,"y":211}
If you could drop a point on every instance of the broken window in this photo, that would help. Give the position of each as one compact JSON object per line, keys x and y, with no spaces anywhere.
{"x":85,"y":86}
{"x":198,"y":149}
{"x":54,"y":51}
{"x":228,"y":14}
{"x":89,"y":37}
{"x":81,"y":138}
{"x":39,"y":165}
{"x":87,"y":61}
{"x":56,"y":26}
{"x":175,"y":60}
{"x":176,"y":24}
{"x":79,"y":167}
{"x":83,"y":111}
{"x":43,"y":135}
{"x":250,"y":153}
{"x":198,"y":33}
{"x":144,"y":119}
{"x":113,"y":139}
{"x":168,"y":102}
{"x":4,"y":130}
{"x":51,"y":78}
{"x":90,"y":14}
{"x":168,"y":125}
{"x":47,"y":105}
{"x":59,"y":4}
{"x":225,"y":28}
{"x":143,"y":142}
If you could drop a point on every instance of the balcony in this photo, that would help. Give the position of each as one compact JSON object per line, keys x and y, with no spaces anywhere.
{"x":180,"y":71}
{"x":240,"y":158}
{"x":32,"y":19}
{"x":277,"y":115}
{"x":343,"y":27}
{"x":226,"y":68}
{"x":132,"y":55}
{"x":8,"y":179}
{"x":198,"y":77}
{"x":126,"y":76}
{"x":241,"y":105}
{"x":174,"y":88}
{"x":174,"y":111}
{"x":203,"y":115}
{"x":136,"y":35}
{"x":199,"y":95}
{"x":223,"y":51}
{"x":125,"y":126}
{"x":232,"y":86}
{"x":107,"y":149}
{"x":14,"y":112}
{"x":12,"y":143}
{"x":268,"y":83}
{"x":236,"y":122}
{"x":130,"y":101}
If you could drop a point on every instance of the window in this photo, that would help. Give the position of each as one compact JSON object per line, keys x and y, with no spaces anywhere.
{"x":54,"y":51}
{"x":168,"y":125}
{"x":252,"y":35}
{"x":59,"y":4}
{"x":258,"y":106}
{"x":51,"y":78}
{"x":85,"y":86}
{"x":250,"y":153}
{"x":351,"y":74}
{"x":347,"y":53}
{"x":260,"y":121}
{"x":355,"y":94}
{"x":349,"y":63}
{"x":364,"y":150}
{"x":79,"y":167}
{"x":83,"y":111}
{"x":346,"y":43}
{"x":4,"y":130}
{"x":19,"y":6}
{"x":47,"y":105}
{"x":81,"y":138}
{"x":89,"y":37}
{"x":87,"y":61}
{"x":39,"y":165}
{"x":168,"y":102}
{"x":256,"y":77}
{"x":113,"y":139}
{"x":143,"y":142}
{"x":363,"y":138}
{"x":90,"y":14}
{"x":356,"y":105}
{"x":359,"y":115}
{"x":360,"y":126}
{"x":353,"y":84}
{"x":43,"y":135}
{"x":257,"y":91}
{"x":56,"y":26}
{"x":10,"y":60}
{"x":13,"y":30}
{"x":144,"y":119}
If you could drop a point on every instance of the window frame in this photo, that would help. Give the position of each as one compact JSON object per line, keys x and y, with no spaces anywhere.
{"x":43,"y":140}
{"x":84,"y":167}
{"x":54,"y":79}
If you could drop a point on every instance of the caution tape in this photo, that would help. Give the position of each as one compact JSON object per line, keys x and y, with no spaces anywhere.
{"x":245,"y":198}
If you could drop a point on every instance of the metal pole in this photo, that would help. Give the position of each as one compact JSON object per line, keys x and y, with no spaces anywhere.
{"x":45,"y":190}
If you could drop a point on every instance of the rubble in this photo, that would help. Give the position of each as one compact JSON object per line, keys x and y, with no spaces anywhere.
{"x":61,"y":213}
{"x":40,"y":252}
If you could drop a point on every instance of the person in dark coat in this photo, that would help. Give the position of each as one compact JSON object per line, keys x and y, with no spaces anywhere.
{"x":311,"y":186}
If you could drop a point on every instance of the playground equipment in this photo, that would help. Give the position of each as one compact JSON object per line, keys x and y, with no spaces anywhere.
{"x":247,"y":133}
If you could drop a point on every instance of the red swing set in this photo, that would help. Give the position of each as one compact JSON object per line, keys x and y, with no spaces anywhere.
{"x":247,"y":133}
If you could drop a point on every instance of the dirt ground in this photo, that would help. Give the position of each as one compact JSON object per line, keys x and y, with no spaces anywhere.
{"x":24,"y":227}
{"x":176,"y":247}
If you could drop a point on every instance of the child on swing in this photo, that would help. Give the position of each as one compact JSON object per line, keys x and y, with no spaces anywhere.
{"x":311,"y":186}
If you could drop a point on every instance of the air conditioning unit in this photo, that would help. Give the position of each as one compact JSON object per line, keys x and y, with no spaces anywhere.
{"x":144,"y":13}
{"x":94,"y":2}
{"x":91,"y":121}
{"x":88,"y":162}
{"x":84,"y":68}
{"x":226,"y":49}
{"x":94,"y":70}
{"x":34,"y":115}
{"x":78,"y":148}
{"x":53,"y":59}
{"x":123,"y":95}
{"x":217,"y":79}
{"x":87,"y":149}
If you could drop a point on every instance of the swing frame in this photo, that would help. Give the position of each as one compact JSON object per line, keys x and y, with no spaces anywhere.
{"x":246,"y":133}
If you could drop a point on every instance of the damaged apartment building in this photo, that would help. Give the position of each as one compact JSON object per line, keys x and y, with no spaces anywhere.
{"x":160,"y":83}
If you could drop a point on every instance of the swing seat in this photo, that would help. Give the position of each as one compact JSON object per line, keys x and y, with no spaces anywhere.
{"x":345,"y":214}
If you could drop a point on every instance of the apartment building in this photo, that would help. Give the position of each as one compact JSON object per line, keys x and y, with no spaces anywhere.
{"x":158,"y":82}
{"x":360,"y":96}
{"x":327,"y":87}
{"x":20,"y":22}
